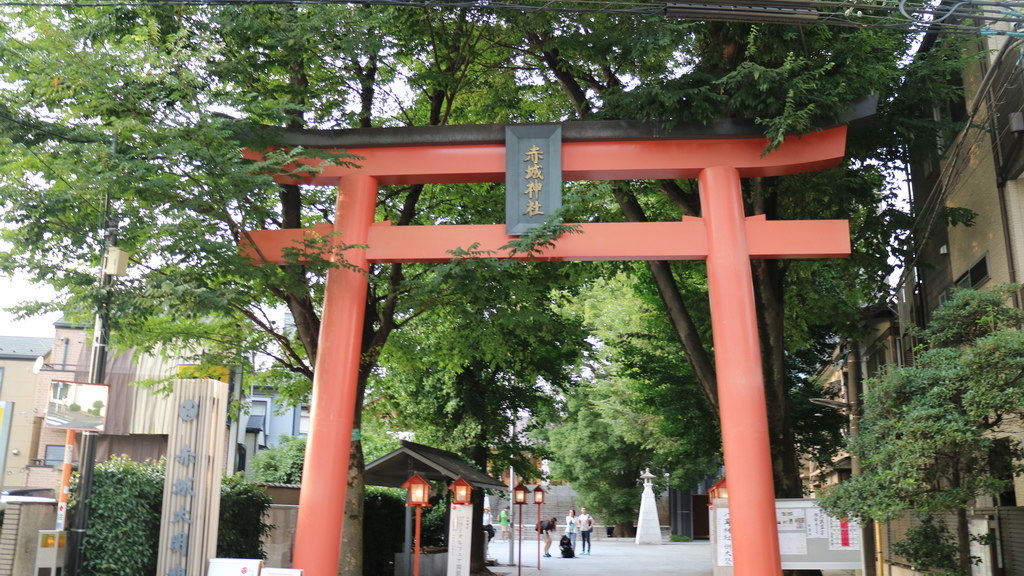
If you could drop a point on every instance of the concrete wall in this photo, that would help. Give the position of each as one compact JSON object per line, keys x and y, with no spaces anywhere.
{"x":21,"y":526}
{"x":279,"y":543}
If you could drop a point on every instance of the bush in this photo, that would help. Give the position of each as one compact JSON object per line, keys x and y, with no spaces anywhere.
{"x":434,"y":525}
{"x":124,"y":519}
{"x":282,"y":463}
{"x":74,"y":407}
{"x":679,"y":538}
{"x":383,"y":527}
{"x":930,"y":547}
{"x":243,"y":508}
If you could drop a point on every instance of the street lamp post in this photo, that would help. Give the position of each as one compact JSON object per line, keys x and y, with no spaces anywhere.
{"x":419,"y":496}
{"x":538,"y":499}
{"x":519,"y":497}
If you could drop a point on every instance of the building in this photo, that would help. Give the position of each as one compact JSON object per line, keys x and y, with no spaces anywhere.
{"x":978,"y":171}
{"x":18,"y":357}
{"x":137,"y":418}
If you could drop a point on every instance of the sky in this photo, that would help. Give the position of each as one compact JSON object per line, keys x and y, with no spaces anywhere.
{"x":12,"y":292}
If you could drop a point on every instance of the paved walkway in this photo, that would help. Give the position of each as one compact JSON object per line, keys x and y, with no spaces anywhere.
{"x":610,"y":557}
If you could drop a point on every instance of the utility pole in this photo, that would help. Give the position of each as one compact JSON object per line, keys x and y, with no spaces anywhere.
{"x":113,"y":263}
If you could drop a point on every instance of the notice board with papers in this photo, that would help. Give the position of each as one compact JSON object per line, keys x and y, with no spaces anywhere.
{"x":808,"y":537}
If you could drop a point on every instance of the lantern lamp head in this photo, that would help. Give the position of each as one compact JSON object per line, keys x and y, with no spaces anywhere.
{"x":419,"y":491}
{"x":462,"y":492}
{"x":519,"y":494}
{"x":538,"y":495}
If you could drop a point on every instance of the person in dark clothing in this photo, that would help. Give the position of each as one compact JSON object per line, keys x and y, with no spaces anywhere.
{"x":565,"y":545}
{"x":545,"y":527}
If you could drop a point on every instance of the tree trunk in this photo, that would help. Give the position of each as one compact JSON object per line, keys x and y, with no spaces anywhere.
{"x":477,"y":556}
{"x":350,"y":559}
{"x":963,"y":540}
{"x":624,"y":530}
{"x":767,"y":277}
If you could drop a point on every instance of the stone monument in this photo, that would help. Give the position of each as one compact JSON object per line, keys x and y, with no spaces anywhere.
{"x":648,"y":527}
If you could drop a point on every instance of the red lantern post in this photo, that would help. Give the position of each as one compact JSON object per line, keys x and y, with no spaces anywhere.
{"x":519,"y":497}
{"x":538,"y":499}
{"x":419,"y":496}
{"x":461,"y":492}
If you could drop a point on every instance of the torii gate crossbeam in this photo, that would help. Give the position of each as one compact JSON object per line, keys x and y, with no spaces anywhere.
{"x":722,"y":236}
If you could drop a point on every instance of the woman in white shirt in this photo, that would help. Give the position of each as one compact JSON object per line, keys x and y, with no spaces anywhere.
{"x":570,"y":528}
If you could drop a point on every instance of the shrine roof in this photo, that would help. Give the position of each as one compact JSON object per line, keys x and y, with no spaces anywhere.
{"x":394,"y":468}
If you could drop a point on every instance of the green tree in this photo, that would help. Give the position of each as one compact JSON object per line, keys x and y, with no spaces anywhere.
{"x":281,"y":463}
{"x":636,"y":405}
{"x":145,"y":109}
{"x":604,"y":466}
{"x":156,"y":81}
{"x":933,"y":436}
{"x":785,"y":79}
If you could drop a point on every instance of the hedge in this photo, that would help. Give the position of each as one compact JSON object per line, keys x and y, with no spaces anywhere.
{"x":124,"y":518}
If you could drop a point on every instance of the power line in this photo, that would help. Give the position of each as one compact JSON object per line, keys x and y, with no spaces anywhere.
{"x":967,"y":16}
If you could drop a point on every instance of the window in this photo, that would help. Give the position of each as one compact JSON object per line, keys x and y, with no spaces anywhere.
{"x":302,"y":426}
{"x":58,"y":397}
{"x":54,"y":455}
{"x":976,"y":276}
{"x":258,"y":407}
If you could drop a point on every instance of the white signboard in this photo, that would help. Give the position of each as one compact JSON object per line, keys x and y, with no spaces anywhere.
{"x":723,"y":536}
{"x":808,"y":537}
{"x":235,"y":567}
{"x":460,"y":537}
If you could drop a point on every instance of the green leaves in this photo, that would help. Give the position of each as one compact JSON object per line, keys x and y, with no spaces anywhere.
{"x":930,"y":547}
{"x":124,"y":520}
{"x":930,"y":437}
{"x":282,"y":463}
{"x":244,"y":507}
{"x":636,"y":404}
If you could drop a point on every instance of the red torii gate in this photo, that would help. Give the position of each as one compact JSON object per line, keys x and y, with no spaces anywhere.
{"x":722,"y":236}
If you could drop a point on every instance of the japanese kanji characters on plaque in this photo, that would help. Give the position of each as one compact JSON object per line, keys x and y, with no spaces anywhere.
{"x":533,"y":176}
{"x":195,"y":455}
{"x":534,"y":181}
{"x":182,"y":485}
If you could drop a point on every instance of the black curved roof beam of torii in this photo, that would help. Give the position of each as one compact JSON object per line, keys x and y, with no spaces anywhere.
{"x":599,"y":130}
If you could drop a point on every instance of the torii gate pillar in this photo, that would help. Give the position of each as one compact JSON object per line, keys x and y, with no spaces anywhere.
{"x":722,"y":236}
{"x":741,"y":396}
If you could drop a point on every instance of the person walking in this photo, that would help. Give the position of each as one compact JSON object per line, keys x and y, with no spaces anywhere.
{"x":585,"y":525}
{"x":504,"y":519}
{"x":570,"y":528}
